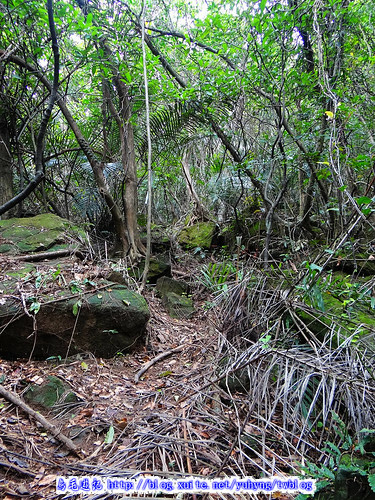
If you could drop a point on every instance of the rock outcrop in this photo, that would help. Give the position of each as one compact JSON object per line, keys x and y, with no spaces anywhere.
{"x":45,"y":310}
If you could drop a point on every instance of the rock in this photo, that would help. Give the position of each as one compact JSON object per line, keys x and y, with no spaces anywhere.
{"x":174,"y":297}
{"x":342,"y":312}
{"x":178,"y":306}
{"x":352,"y":478}
{"x":102,"y":321}
{"x":45,"y":232}
{"x":198,"y":235}
{"x":117,"y":277}
{"x":51,"y":392}
{"x":159,"y":266}
{"x":160,"y":241}
{"x":165,"y":285}
{"x":238,"y":381}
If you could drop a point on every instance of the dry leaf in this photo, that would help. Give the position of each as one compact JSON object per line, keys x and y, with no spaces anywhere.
{"x":204,"y":434}
{"x":49,"y":479}
{"x":122,"y":423}
{"x":37,"y":380}
{"x":87,"y":412}
{"x":206,"y":471}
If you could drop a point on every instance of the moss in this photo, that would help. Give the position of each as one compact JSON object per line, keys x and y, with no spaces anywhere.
{"x":256,"y":228}
{"x":115,"y":296}
{"x":50,"y":393}
{"x":110,"y":320}
{"x":21,"y":272}
{"x":319,"y":322}
{"x":178,"y":306}
{"x":36,"y":233}
{"x":198,"y":235}
{"x":8,"y":248}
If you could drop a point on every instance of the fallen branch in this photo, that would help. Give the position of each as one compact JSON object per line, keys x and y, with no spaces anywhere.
{"x":13,"y":398}
{"x":153,"y":361}
{"x":49,"y":255}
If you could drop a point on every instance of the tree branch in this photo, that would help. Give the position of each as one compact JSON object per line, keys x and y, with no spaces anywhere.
{"x":39,"y":175}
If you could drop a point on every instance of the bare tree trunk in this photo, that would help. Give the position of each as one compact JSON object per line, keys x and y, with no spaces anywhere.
{"x":199,"y":210}
{"x":6,"y":184}
{"x":130,"y":197}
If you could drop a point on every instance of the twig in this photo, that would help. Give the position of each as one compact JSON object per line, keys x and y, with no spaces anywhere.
{"x":153,"y":361}
{"x":20,"y":470}
{"x":188,"y":461}
{"x":13,"y":398}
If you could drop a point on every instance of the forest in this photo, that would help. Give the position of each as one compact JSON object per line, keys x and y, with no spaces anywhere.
{"x":207,"y":166}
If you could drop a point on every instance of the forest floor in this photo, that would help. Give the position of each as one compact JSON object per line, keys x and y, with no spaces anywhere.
{"x":172,"y":423}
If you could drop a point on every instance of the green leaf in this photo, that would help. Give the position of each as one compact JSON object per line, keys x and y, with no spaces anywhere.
{"x":110,"y":435}
{"x":76,"y":307}
{"x":35,"y":306}
{"x":38,"y":281}
{"x":316,"y":267}
{"x":366,"y":211}
{"x":371,"y":481}
{"x":363,"y":200}
{"x":89,"y":19}
{"x":262,"y":5}
{"x":88,"y":282}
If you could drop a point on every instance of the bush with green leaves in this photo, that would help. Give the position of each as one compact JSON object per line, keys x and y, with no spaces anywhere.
{"x":215,"y":275}
{"x":349,"y":469}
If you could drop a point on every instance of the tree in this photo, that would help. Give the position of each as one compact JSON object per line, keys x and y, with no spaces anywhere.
{"x":269,"y":91}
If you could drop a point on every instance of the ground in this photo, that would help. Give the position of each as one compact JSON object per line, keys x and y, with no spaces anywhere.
{"x":159,"y":405}
{"x":173,"y":422}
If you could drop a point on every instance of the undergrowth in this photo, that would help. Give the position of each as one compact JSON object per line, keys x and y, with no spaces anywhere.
{"x":297,"y":365}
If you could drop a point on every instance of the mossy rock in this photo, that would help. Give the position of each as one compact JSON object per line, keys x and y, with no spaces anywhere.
{"x":104,"y":322}
{"x":178,"y":306}
{"x":159,"y":266}
{"x":236,"y":382}
{"x":51,"y":392}
{"x":45,"y":232}
{"x":319,"y":322}
{"x":165,"y":285}
{"x":199,"y":235}
{"x":351,"y":481}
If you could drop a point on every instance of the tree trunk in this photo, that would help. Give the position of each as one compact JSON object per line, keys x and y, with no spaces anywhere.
{"x":199,"y":210}
{"x":86,"y":148}
{"x":130,"y":196}
{"x":6,"y":184}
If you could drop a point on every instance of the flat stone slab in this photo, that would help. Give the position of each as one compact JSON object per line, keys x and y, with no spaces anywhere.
{"x":45,"y":232}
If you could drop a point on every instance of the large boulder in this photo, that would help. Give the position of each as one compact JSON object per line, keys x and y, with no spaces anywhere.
{"x":39,"y":321}
{"x":45,"y":232}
